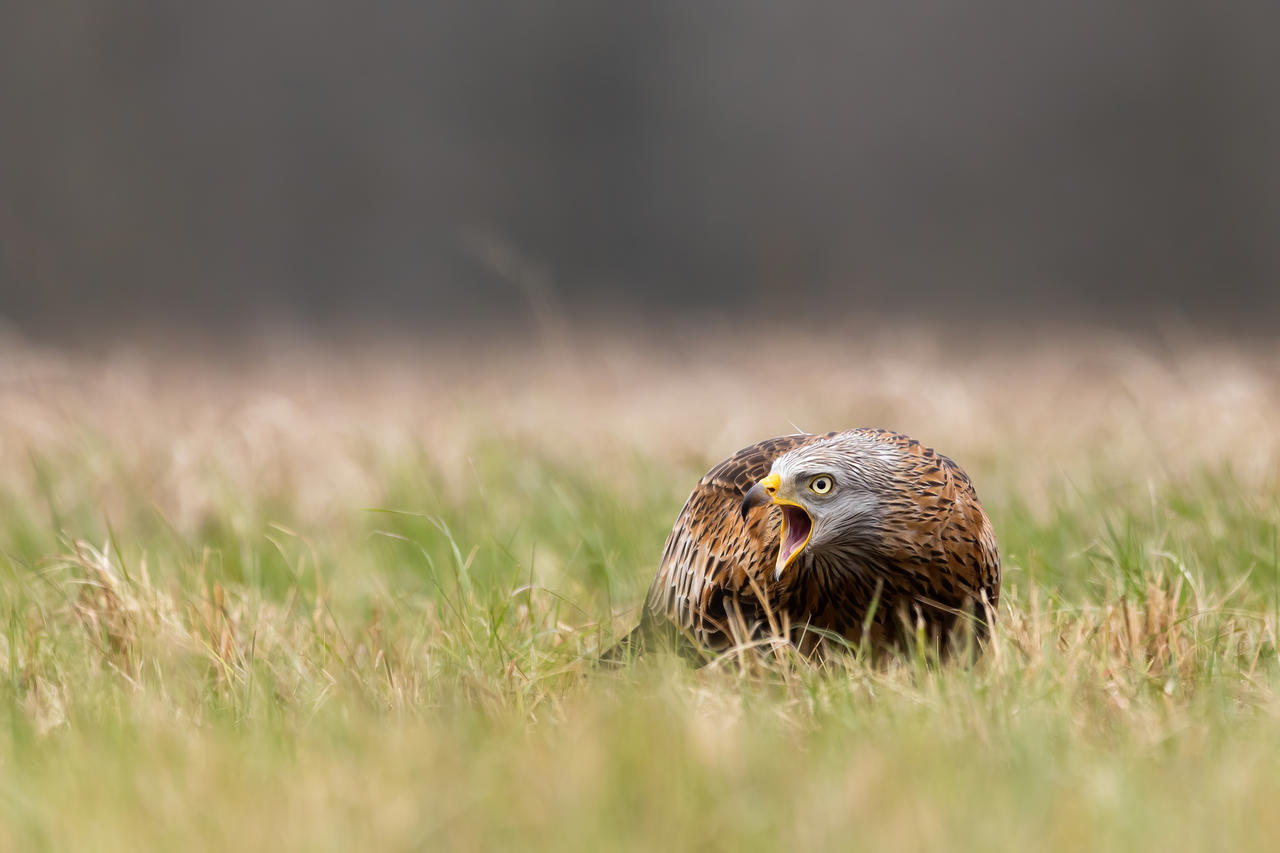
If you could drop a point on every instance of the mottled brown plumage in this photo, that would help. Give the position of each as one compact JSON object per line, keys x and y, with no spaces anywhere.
{"x":897,"y":541}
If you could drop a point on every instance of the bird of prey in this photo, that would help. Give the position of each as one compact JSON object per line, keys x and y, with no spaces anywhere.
{"x":864,"y":535}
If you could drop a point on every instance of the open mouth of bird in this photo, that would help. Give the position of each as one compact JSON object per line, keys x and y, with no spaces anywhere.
{"x":796,"y":527}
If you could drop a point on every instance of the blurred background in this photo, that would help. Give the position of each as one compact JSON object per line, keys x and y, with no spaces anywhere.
{"x":426,"y":167}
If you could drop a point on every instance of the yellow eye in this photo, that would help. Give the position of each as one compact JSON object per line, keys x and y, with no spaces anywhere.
{"x":821,"y":484}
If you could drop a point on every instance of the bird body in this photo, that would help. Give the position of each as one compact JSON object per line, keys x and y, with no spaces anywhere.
{"x":863,"y":534}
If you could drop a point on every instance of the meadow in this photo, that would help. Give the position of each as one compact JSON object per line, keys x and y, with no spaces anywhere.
{"x":311,"y":597}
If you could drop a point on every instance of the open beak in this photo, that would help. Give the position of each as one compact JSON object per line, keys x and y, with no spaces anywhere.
{"x":797,"y":524}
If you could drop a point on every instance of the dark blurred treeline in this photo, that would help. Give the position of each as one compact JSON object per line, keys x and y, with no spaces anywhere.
{"x":433,"y":163}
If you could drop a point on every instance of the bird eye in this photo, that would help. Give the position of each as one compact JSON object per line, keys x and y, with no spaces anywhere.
{"x":821,"y":484}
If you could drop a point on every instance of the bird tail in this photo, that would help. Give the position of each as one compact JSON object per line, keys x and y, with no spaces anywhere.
{"x":655,"y":634}
{"x":628,"y":648}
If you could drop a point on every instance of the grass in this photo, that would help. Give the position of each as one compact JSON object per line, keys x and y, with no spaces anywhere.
{"x":337,"y":600}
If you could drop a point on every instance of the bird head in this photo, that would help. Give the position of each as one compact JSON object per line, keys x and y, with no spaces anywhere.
{"x":827,"y":493}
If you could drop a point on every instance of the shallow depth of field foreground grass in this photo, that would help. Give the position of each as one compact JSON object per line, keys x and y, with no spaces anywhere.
{"x":302,"y":599}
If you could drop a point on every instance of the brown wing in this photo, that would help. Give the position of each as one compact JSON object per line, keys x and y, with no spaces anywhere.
{"x":938,"y":537}
{"x":970,"y":541}
{"x":712,"y":550}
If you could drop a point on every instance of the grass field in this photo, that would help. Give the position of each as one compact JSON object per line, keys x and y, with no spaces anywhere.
{"x":333,"y":599}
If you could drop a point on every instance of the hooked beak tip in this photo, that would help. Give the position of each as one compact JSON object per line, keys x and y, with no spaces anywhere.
{"x":755,"y":496}
{"x":761,"y":493}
